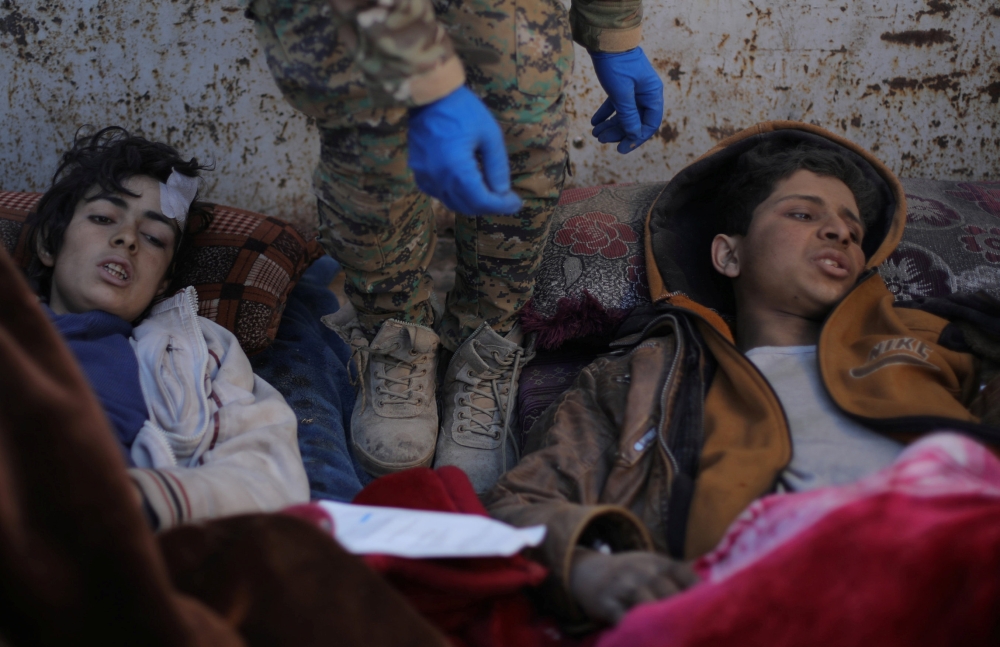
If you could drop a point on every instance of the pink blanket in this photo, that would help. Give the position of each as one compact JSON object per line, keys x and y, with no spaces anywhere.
{"x":908,"y":556}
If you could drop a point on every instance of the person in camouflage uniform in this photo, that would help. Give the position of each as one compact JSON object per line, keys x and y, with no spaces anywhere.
{"x":375,"y":75}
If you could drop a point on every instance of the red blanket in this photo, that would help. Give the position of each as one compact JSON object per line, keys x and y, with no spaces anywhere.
{"x":481,"y":601}
{"x":909,"y":556}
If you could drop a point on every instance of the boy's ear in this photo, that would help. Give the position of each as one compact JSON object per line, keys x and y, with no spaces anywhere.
{"x":726,"y":255}
{"x":44,"y":255}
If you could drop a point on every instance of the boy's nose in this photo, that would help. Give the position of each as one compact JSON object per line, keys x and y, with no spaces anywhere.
{"x":837,"y":230}
{"x":124,"y":239}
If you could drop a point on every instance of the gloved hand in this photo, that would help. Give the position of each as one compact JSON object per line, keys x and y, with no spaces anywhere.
{"x":445,"y":138}
{"x":635,"y":99}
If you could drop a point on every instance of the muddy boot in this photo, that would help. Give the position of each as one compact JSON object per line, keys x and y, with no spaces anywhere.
{"x":477,"y":419}
{"x":394,"y":424}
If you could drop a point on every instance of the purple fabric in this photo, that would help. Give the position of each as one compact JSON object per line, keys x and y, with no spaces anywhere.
{"x":544,"y":379}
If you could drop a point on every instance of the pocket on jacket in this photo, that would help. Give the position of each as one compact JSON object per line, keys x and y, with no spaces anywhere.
{"x":544,"y":46}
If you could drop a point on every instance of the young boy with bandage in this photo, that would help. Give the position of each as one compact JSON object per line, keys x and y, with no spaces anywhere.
{"x":203,"y":435}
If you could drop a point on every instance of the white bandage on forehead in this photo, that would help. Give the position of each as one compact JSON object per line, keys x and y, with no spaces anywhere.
{"x":177,"y":195}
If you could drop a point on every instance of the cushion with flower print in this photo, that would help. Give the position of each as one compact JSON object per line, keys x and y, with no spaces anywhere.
{"x":951,"y":242}
{"x":593,"y":270}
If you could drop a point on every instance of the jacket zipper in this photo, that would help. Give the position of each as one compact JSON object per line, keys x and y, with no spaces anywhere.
{"x":663,"y":399}
{"x":166,"y":442}
{"x":188,"y":315}
{"x":753,"y":367}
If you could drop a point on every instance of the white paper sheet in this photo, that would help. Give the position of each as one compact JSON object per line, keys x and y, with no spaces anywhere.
{"x":363,"y":529}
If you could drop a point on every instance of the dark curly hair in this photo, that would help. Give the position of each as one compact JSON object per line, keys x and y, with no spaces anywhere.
{"x":759,"y":169}
{"x":104,"y":159}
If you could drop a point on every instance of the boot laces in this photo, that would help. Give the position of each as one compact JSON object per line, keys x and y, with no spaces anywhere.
{"x":408,"y":395}
{"x":506,"y":373}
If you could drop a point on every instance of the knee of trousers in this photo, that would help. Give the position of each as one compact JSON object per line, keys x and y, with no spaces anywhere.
{"x":379,"y":241}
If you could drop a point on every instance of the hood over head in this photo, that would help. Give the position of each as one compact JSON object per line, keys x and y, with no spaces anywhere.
{"x":682,"y":222}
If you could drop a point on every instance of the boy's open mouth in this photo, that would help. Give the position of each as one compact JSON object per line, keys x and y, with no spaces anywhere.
{"x":834,"y":263}
{"x":116,"y":270}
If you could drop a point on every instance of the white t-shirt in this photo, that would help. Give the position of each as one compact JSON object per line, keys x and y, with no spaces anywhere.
{"x":828,"y":448}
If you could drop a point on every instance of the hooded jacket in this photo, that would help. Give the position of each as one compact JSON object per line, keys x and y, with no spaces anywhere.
{"x":662,"y":443}
{"x":219,"y":440}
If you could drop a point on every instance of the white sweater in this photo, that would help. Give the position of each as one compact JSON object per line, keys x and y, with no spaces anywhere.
{"x":219,"y":440}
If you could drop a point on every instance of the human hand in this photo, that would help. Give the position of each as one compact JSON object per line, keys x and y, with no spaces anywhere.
{"x":445,"y":138}
{"x":634,"y":108}
{"x":608,"y":585}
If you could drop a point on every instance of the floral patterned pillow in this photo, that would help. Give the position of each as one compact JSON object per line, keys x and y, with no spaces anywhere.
{"x":593,"y":270}
{"x":951,"y":242}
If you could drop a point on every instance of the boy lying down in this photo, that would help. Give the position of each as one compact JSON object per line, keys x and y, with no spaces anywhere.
{"x":817,"y":380}
{"x":204,"y":436}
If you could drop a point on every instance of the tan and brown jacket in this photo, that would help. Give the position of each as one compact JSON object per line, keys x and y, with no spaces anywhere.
{"x":661,"y":444}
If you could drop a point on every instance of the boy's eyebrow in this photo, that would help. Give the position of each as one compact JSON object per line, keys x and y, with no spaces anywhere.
{"x":120,"y":203}
{"x":107,"y":197}
{"x":156,"y":215}
{"x":844,"y":212}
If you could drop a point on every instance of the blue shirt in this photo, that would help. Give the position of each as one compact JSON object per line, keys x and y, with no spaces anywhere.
{"x":101,"y":344}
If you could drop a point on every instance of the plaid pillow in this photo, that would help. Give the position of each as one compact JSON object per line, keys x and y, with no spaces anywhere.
{"x":243,"y":266}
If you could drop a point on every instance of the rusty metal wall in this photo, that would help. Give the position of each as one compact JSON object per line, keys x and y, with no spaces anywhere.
{"x":187,"y":72}
{"x":917,"y":81}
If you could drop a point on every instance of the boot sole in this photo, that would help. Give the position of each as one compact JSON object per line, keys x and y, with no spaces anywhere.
{"x":377,"y":468}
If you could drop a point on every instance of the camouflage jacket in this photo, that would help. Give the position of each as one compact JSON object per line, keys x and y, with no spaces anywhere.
{"x":406,"y":50}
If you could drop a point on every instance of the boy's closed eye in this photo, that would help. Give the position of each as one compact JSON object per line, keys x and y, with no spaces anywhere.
{"x":155,"y":241}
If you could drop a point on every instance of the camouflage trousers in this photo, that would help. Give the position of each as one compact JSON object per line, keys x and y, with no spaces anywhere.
{"x":517,"y":56}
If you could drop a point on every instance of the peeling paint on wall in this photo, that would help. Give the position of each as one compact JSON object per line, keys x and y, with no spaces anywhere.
{"x":187,"y":72}
{"x":915,"y":81}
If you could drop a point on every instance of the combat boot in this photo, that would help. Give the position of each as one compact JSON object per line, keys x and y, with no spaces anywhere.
{"x":477,"y":419}
{"x":394,"y":425}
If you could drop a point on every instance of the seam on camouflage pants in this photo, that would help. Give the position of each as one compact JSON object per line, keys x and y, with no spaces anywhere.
{"x":518,"y":55}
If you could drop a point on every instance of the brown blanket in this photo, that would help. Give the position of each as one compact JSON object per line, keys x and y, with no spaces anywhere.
{"x":78,"y":565}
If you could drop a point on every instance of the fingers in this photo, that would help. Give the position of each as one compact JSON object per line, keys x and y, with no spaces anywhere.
{"x":606,"y":110}
{"x":466,"y":192}
{"x":628,"y":145}
{"x":498,"y":197}
{"x":681,"y":573}
{"x":444,"y":139}
{"x":628,"y":117}
{"x":494,"y":156}
{"x":604,"y":126}
{"x":650,"y":103}
{"x":611,"y":133}
{"x":663,"y":587}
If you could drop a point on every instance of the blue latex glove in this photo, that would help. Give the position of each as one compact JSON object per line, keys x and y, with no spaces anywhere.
{"x":634,"y":108}
{"x":445,"y":138}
